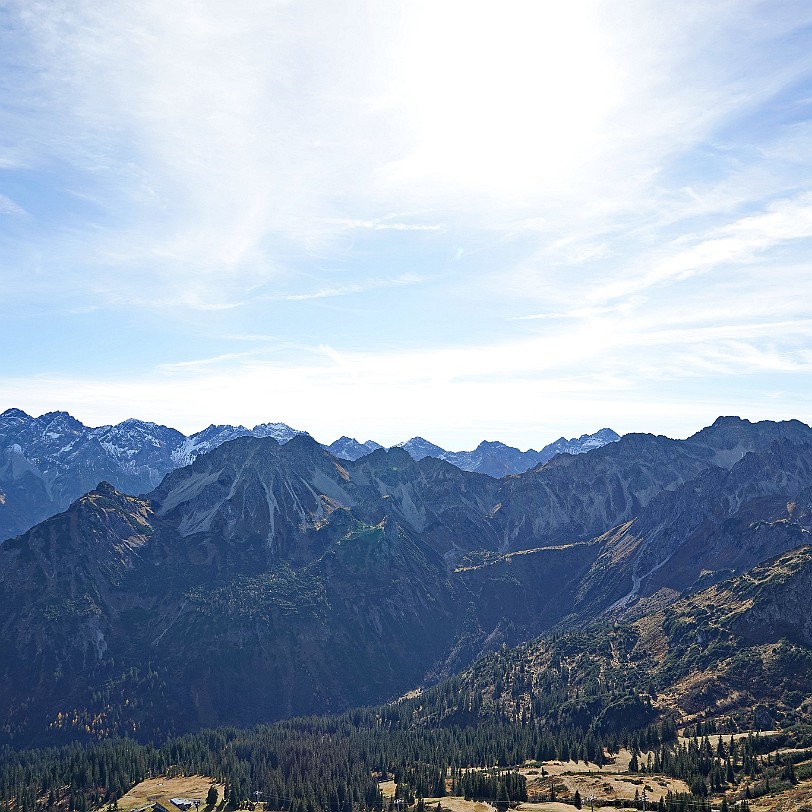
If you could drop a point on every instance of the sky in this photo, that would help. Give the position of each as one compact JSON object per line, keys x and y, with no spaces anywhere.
{"x":456,"y":219}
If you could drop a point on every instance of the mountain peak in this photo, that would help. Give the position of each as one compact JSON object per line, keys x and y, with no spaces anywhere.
{"x":106,"y":489}
{"x":300,"y":440}
{"x":279,"y":431}
{"x":61,"y":420}
{"x":610,"y":435}
{"x":148,"y":424}
{"x":729,"y":420}
{"x":490,"y":444}
{"x":396,"y":452}
{"x":16,"y":414}
{"x":213,"y":428}
{"x":419,"y":447}
{"x":348,"y":448}
{"x":58,"y":415}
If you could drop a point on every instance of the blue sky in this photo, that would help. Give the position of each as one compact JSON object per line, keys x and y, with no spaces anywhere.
{"x":463,"y":220}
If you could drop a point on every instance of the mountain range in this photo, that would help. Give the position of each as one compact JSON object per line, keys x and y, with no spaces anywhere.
{"x":264,"y":580}
{"x":48,"y":461}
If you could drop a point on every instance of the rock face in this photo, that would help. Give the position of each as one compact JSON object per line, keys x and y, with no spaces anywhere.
{"x":264,"y":580}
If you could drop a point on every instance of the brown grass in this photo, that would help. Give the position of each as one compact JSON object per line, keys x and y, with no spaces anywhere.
{"x":387,"y":788}
{"x":714,"y":737}
{"x":162,"y":789}
{"x":458,"y":805}
{"x":549,"y":806}
{"x":607,"y":783}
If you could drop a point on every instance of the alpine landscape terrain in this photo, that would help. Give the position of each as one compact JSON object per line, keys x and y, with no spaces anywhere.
{"x":405,"y":406}
{"x":582,"y":612}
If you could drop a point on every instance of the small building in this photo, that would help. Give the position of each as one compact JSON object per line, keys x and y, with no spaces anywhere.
{"x":185,"y":804}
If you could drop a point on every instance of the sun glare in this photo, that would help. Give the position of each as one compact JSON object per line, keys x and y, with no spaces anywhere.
{"x":503,"y":100}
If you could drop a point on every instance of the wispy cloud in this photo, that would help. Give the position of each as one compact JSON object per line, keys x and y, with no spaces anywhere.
{"x":343,"y":290}
{"x":198,"y":135}
{"x":581,"y":312}
{"x":209,"y":143}
{"x":739,"y":242}
{"x":384,"y":225}
{"x":205,"y":363}
{"x":8,"y":206}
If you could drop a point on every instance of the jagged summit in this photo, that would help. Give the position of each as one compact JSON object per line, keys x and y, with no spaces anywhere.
{"x":419,"y":447}
{"x":279,"y":431}
{"x":348,"y":448}
{"x":732,"y":437}
{"x":15,"y":414}
{"x":217,"y":428}
{"x":60,"y":414}
{"x":141,"y":424}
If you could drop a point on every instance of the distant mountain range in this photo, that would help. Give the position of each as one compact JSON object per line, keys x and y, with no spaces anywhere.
{"x":48,"y":461}
{"x":498,"y":460}
{"x":265,"y":580}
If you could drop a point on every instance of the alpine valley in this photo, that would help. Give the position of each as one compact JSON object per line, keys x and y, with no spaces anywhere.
{"x":597,"y":600}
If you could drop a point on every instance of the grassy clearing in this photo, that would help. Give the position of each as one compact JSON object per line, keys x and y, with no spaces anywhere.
{"x":550,"y":806}
{"x":714,"y":737}
{"x":610,"y":782}
{"x":459,"y":805}
{"x":162,"y":789}
{"x":387,"y":788}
